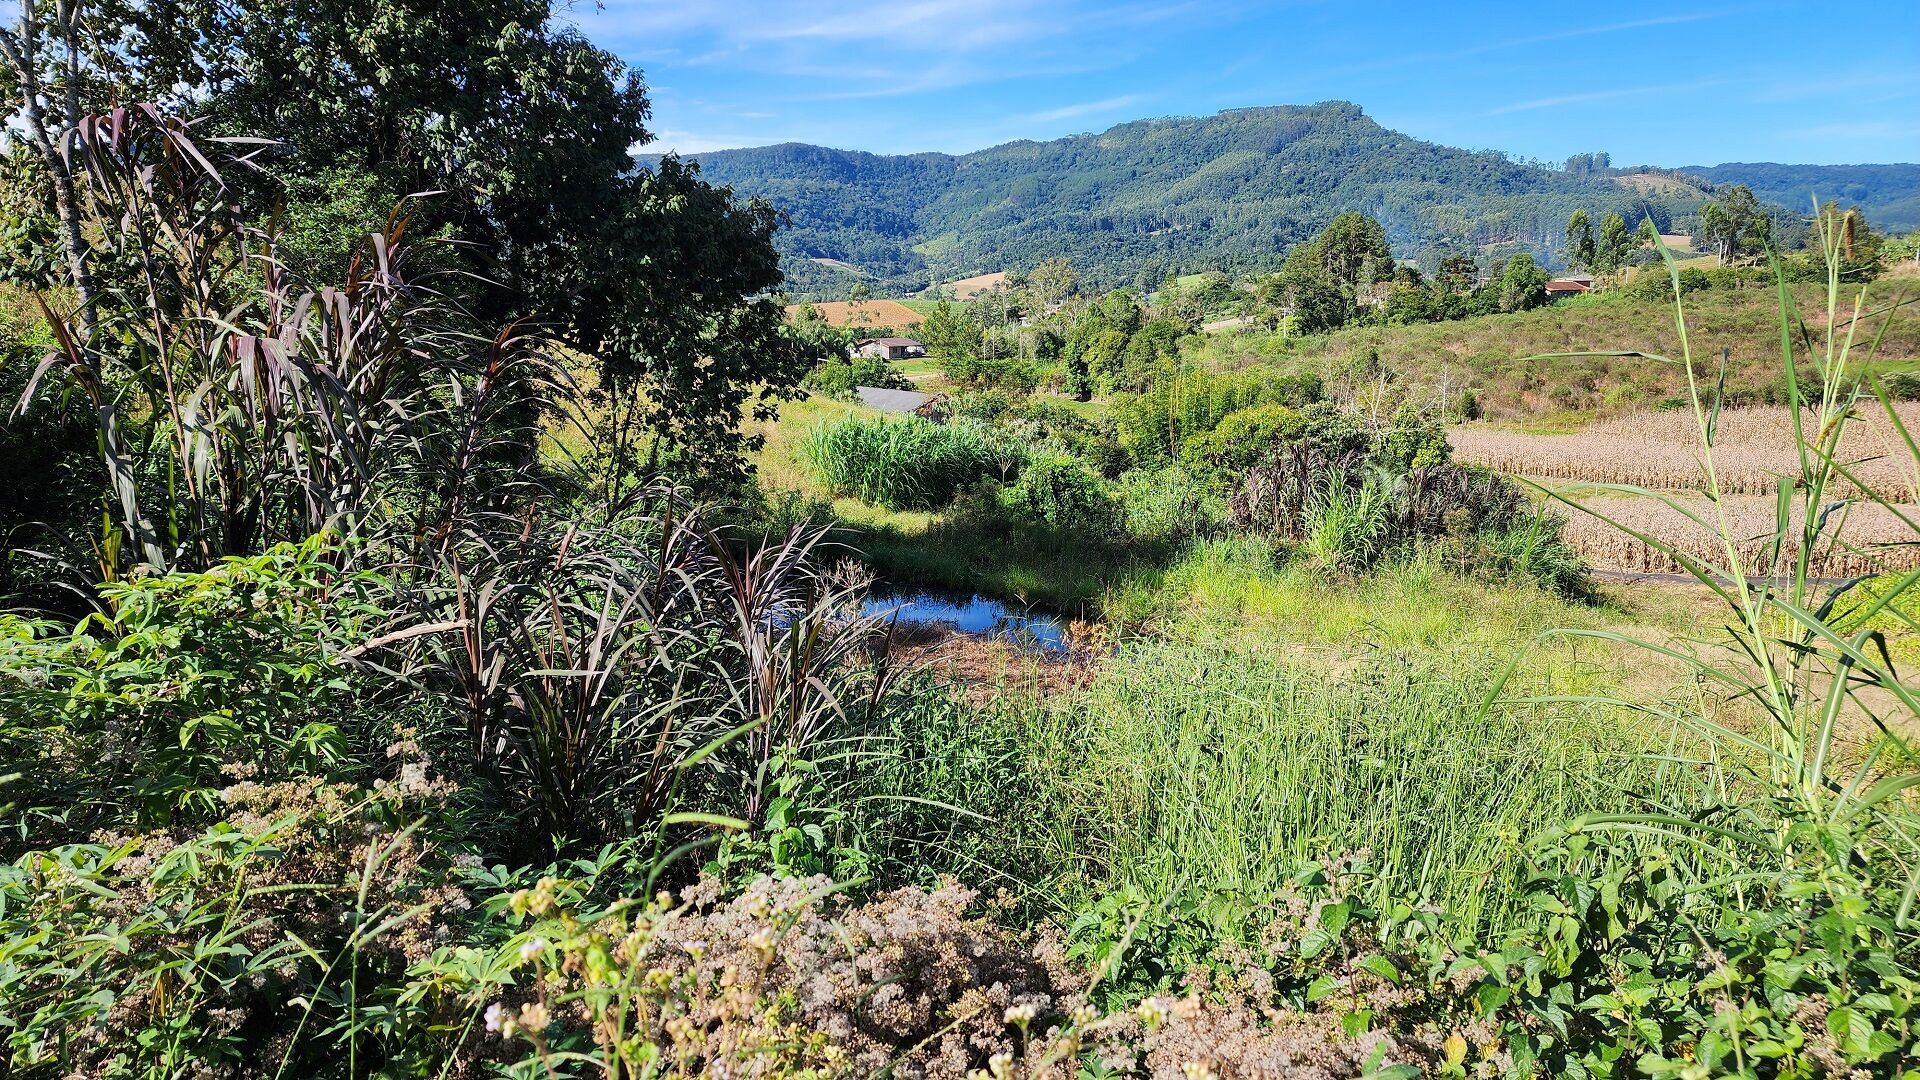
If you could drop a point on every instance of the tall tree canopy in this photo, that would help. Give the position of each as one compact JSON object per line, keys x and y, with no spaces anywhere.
{"x":1353,"y":250}
{"x":1615,"y":245}
{"x":1581,"y":248}
{"x":516,"y":129}
{"x":1732,"y":223}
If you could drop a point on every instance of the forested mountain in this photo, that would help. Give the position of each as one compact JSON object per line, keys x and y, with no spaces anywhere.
{"x":1229,"y":191}
{"x":1890,"y":194}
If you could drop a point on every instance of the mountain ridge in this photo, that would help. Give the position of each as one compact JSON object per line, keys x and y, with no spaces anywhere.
{"x":1146,"y":197}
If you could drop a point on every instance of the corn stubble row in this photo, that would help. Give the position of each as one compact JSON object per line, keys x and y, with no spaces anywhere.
{"x":1753,"y":448}
{"x":1871,"y":539}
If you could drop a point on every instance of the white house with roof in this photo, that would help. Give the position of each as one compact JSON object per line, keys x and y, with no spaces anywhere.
{"x":889,"y":348}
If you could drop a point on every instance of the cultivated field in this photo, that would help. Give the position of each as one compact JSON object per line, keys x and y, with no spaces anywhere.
{"x":1753,"y":450}
{"x":1867,"y":539}
{"x":876,"y":313}
{"x":969,"y":287}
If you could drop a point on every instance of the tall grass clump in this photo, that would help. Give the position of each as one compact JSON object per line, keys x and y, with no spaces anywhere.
{"x":1347,"y":524}
{"x":1209,"y":772}
{"x":908,"y":463}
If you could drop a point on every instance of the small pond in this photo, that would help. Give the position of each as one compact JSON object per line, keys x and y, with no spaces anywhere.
{"x":980,"y":616}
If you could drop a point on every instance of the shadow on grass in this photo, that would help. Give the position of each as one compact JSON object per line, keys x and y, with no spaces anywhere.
{"x":978,"y":549}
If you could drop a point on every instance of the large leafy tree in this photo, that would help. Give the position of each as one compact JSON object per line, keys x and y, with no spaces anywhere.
{"x":1732,"y":223}
{"x":516,"y":131}
{"x":1581,"y":246}
{"x":1521,"y":284}
{"x":1615,"y":245}
{"x":1352,"y":249}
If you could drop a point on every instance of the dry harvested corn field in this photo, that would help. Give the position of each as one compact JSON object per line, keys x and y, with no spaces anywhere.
{"x":1754,"y":448}
{"x":1870,"y":540}
{"x":1662,"y":450}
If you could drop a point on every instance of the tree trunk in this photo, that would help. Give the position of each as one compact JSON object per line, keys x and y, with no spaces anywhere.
{"x":22,"y":49}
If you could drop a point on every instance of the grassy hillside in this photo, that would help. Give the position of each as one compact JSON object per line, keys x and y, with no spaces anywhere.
{"x":1489,"y":354}
{"x":1232,"y":190}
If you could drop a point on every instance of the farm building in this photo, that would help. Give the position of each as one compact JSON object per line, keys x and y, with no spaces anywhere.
{"x":1569,"y":286}
{"x":889,"y":348}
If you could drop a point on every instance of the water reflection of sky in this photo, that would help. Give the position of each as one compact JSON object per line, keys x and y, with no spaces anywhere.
{"x":981,"y":616}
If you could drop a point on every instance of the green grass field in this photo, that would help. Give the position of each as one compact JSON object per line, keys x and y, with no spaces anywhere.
{"x":1490,"y":354}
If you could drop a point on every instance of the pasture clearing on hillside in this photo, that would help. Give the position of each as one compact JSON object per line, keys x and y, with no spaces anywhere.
{"x":1754,"y":448}
{"x":890,"y":314}
{"x":1506,"y":358}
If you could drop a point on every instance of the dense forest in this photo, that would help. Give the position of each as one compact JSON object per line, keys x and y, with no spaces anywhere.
{"x":1230,"y":192}
{"x":1889,"y":194}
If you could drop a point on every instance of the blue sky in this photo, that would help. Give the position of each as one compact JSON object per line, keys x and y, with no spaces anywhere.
{"x":1657,"y":83}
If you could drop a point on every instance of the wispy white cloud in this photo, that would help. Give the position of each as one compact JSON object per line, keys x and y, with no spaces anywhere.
{"x":1085,"y":108}
{"x":691,"y":142}
{"x":1438,"y":56}
{"x":1591,"y":96}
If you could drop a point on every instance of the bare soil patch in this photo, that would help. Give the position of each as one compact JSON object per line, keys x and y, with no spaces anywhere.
{"x":970,"y":287}
{"x":984,"y":668}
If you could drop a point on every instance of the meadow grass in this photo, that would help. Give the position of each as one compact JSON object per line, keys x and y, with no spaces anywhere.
{"x":902,"y":463}
{"x":1275,"y":714}
{"x":1215,"y":768}
{"x":1504,"y":357}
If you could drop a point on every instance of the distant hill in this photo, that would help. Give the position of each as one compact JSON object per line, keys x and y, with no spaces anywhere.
{"x":1230,"y":191}
{"x":1890,"y":194}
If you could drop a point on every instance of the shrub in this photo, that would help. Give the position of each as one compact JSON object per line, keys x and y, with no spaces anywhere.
{"x":133,"y":716}
{"x":1184,"y":405}
{"x":1530,"y":546}
{"x":779,"y":977}
{"x":273,"y":942}
{"x":1167,"y":505}
{"x":1007,"y":373}
{"x":1901,"y":385}
{"x":1414,"y":440}
{"x":1063,"y":496}
{"x":785,"y":981}
{"x":1243,"y":437}
{"x":837,"y":376}
{"x":908,"y":463}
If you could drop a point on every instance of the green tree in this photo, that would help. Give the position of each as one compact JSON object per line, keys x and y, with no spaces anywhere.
{"x":1732,"y":224}
{"x":1458,"y":273}
{"x":950,"y":330}
{"x":1615,"y":245}
{"x":1352,"y":249}
{"x":1050,"y":284}
{"x":519,"y":127}
{"x":1104,"y":355}
{"x":1521,"y":284}
{"x":1581,"y":249}
{"x":1309,"y":296}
